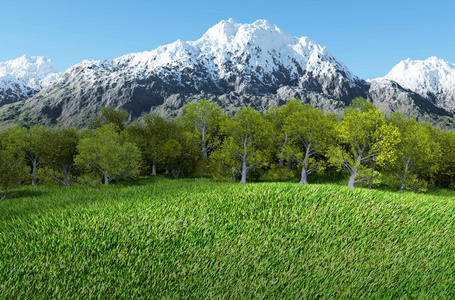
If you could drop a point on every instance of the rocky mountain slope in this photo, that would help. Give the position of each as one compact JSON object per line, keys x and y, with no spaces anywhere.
{"x":232,"y":64}
{"x":25,"y":76}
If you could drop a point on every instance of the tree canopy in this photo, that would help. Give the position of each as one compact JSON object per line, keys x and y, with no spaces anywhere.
{"x":104,"y":151}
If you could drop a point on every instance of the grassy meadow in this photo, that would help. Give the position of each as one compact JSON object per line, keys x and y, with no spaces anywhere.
{"x":197,"y":238}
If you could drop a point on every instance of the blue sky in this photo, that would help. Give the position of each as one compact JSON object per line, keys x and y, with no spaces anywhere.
{"x":370,"y":37}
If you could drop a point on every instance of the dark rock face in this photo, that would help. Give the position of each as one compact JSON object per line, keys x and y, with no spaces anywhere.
{"x":15,"y":93}
{"x":74,"y":99}
{"x":389,"y":96}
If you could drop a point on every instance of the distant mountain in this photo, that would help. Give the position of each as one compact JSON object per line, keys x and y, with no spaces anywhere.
{"x":433,"y":79}
{"x":389,"y":96}
{"x":25,"y":76}
{"x":232,"y":64}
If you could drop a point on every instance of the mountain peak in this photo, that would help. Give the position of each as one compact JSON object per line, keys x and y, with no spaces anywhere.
{"x":24,"y":76}
{"x":430,"y":64}
{"x":258,"y":32}
{"x":223,"y":32}
{"x":25,"y":65}
{"x":423,"y":76}
{"x":433,"y":78}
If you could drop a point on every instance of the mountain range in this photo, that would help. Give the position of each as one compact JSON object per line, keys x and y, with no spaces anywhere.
{"x":233,"y":65}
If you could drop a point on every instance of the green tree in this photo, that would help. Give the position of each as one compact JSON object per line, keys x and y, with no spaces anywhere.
{"x":104,"y":151}
{"x":279,"y":134}
{"x":247,"y":133}
{"x":446,"y":163}
{"x":35,"y":150}
{"x":152,"y":131}
{"x":417,"y":151}
{"x":181,"y":153}
{"x":225,"y":164}
{"x":310,"y":131}
{"x":60,"y":151}
{"x":13,"y":166}
{"x":364,"y":137}
{"x":203,"y":118}
{"x":109,"y":115}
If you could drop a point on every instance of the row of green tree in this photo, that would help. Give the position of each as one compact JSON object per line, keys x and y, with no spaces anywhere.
{"x":292,"y":138}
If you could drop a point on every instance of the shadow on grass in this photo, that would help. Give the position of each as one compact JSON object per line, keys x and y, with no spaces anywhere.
{"x":330,"y":177}
{"x":17,"y":194}
{"x":386,"y":184}
{"x":141,"y":181}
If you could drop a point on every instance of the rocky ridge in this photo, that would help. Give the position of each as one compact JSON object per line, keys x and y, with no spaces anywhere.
{"x":232,"y":64}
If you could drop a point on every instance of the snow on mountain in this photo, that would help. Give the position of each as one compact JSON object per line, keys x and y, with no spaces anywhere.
{"x":260,"y":50}
{"x":433,"y":78}
{"x":22,"y":77}
{"x":232,"y":64}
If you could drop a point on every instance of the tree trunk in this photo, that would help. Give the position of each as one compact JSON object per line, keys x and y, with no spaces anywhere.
{"x":154,"y":168}
{"x":66,"y":176}
{"x":373,"y":166}
{"x":352,"y":179}
{"x":106,"y":179}
{"x":204,"y":146}
{"x":243,"y":180}
{"x":34,"y":167}
{"x":178,"y":173}
{"x":204,"y":151}
{"x":290,"y":165}
{"x":303,"y":178}
{"x":403,"y":180}
{"x":6,"y":189}
{"x":281,"y":162}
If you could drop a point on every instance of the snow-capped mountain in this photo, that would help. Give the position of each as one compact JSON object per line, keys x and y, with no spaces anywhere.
{"x":258,"y":54}
{"x":433,"y":78}
{"x":23,"y":77}
{"x":232,"y":64}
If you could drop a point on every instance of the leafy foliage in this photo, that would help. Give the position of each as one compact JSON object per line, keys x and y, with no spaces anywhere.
{"x":150,"y":134}
{"x":364,"y":137}
{"x":289,"y":141}
{"x":310,"y":132}
{"x":60,"y":151}
{"x":279,"y":134}
{"x":180,"y":152}
{"x":35,"y":149}
{"x":247,"y":133}
{"x":13,"y":167}
{"x":109,"y":115}
{"x":446,"y":163}
{"x":104,"y":152}
{"x":417,"y":151}
{"x":203,"y":119}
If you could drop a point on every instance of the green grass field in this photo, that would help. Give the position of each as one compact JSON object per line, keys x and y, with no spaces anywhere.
{"x":196,"y":238}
